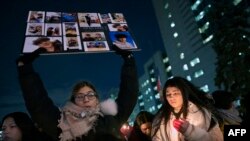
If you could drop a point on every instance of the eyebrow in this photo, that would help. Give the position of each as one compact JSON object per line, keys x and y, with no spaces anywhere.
{"x":172,"y":91}
{"x":86,"y":92}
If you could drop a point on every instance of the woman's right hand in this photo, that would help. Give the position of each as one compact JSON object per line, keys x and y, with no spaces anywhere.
{"x":29,"y":57}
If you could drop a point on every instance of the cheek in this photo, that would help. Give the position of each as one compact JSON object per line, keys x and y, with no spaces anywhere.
{"x":17,"y":134}
{"x":180,"y":100}
{"x":95,"y":102}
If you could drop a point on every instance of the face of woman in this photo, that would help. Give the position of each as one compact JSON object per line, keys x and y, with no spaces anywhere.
{"x":174,"y":98}
{"x":86,"y":98}
{"x":10,"y":130}
{"x":146,"y":128}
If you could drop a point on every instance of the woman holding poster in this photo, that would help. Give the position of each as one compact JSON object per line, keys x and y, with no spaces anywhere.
{"x":84,"y":117}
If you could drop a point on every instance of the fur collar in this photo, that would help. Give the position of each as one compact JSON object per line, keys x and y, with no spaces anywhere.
{"x":109,"y":107}
{"x":76,"y":121}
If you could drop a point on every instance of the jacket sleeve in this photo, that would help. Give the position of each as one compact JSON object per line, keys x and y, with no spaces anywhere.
{"x":39,"y":105}
{"x":158,"y":132}
{"x":158,"y":136}
{"x":194,"y":133}
{"x":129,"y":88}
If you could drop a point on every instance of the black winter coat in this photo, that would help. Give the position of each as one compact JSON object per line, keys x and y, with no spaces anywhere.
{"x":46,"y":114}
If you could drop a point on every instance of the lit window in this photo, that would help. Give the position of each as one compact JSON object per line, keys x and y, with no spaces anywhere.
{"x":153,"y":108}
{"x":196,"y":4}
{"x":178,"y":44}
{"x":182,"y":56}
{"x":236,"y":2}
{"x":166,"y":6}
{"x":153,"y":79}
{"x":175,"y":35}
{"x":172,"y":24}
{"x":151,"y":71}
{"x":155,"y":88}
{"x":168,"y":69}
{"x":140,"y":97}
{"x":185,"y":67}
{"x":208,"y":39}
{"x":205,"y":88}
{"x":165,"y":60}
{"x":142,"y":104}
{"x":204,"y":27}
{"x":157,"y":96}
{"x":169,"y":15}
{"x":200,"y":16}
{"x":189,"y":78}
{"x":149,"y":89}
{"x":159,"y":106}
{"x":198,"y":73}
{"x":194,"y":62}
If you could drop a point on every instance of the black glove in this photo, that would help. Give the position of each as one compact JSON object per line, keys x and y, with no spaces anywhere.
{"x":30,"y":57}
{"x":123,"y":52}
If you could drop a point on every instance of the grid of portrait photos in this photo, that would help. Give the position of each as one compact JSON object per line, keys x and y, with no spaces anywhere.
{"x":76,"y":32}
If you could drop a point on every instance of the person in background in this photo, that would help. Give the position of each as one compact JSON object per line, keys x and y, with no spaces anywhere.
{"x":84,"y":117}
{"x":18,"y":126}
{"x":186,"y":114}
{"x":224,"y":102}
{"x":142,"y":127}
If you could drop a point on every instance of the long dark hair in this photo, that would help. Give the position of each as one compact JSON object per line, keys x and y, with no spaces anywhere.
{"x":25,"y":124}
{"x":141,"y":118}
{"x":189,"y":93}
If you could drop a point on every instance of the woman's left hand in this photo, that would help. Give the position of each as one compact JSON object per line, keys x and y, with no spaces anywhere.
{"x":181,"y":125}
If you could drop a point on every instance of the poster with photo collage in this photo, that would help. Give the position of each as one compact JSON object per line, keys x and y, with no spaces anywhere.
{"x":76,"y":32}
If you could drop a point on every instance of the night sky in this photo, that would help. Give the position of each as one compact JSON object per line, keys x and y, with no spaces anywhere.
{"x":61,"y":72}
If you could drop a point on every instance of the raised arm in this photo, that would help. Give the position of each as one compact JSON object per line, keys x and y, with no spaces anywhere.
{"x":39,"y":105}
{"x":129,"y":87}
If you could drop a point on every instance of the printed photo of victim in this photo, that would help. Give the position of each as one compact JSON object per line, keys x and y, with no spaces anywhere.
{"x":69,"y":17}
{"x":118,"y":18}
{"x":53,"y":17}
{"x":72,"y":43}
{"x":118,"y":27}
{"x":94,"y":41}
{"x":105,"y":18}
{"x":89,"y":20}
{"x":51,"y":44}
{"x":123,"y":40}
{"x":70,"y":29}
{"x":36,"y":17}
{"x":96,"y":46}
{"x":35,"y":29}
{"x":93,"y":36}
{"x":53,"y":29}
